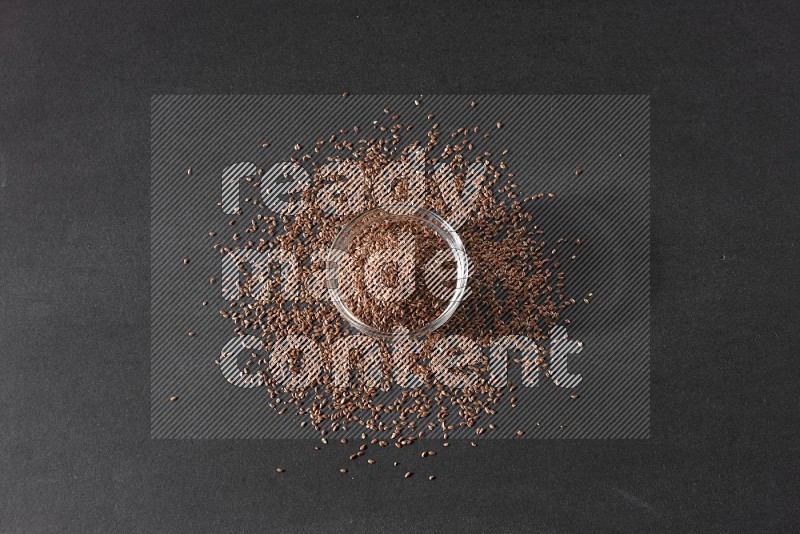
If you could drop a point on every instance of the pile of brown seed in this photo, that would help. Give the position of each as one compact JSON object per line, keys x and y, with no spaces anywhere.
{"x":515,"y":283}
{"x":383,"y":303}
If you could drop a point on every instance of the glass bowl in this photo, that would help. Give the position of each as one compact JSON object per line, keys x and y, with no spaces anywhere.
{"x":362,"y":224}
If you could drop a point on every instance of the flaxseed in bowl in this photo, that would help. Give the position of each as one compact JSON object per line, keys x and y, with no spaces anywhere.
{"x":399,"y":270}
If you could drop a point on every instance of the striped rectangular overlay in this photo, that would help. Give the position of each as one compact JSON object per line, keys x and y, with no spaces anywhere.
{"x":591,"y":151}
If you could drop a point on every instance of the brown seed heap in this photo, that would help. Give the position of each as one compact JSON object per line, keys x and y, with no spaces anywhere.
{"x":394,"y":299}
{"x":515,"y":284}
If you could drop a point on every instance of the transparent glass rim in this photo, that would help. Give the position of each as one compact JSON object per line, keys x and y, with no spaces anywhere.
{"x":401,"y":210}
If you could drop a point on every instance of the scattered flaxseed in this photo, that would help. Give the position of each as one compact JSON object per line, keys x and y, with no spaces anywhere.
{"x":578,"y":172}
{"x":189,"y":171}
{"x":515,"y":284}
{"x":280,"y":470}
{"x":432,"y":477}
{"x":345,"y":94}
{"x":186,"y":261}
{"x":173,"y":398}
{"x":408,"y":474}
{"x":191,"y":333}
{"x":574,"y":396}
{"x":343,"y":470}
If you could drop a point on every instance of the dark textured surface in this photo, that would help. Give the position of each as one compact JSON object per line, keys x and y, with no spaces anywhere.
{"x":75,"y":452}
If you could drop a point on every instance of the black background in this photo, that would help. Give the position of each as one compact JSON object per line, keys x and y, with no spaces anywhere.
{"x":75,"y":85}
